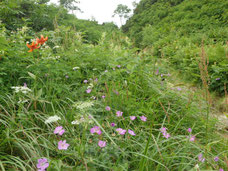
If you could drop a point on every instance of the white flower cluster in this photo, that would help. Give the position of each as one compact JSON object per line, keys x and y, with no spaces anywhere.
{"x":90,"y":86}
{"x":75,"y":68}
{"x":54,"y":58}
{"x":52,"y":119}
{"x":22,"y":89}
{"x":82,"y":120}
{"x":83,"y":105}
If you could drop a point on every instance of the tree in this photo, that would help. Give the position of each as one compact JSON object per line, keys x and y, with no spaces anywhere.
{"x":122,"y":11}
{"x":69,"y":4}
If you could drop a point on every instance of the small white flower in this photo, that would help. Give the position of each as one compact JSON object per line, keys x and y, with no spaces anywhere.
{"x":56,"y":47}
{"x":52,"y":119}
{"x":90,"y":86}
{"x":83,"y":105}
{"x":22,"y":89}
{"x":75,"y":68}
{"x":75,"y":122}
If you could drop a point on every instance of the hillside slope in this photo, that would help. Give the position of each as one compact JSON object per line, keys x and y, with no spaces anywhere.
{"x":176,"y":30}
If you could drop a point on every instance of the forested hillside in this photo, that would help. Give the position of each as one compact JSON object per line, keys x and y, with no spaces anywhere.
{"x":39,"y":16}
{"x":177,"y":30}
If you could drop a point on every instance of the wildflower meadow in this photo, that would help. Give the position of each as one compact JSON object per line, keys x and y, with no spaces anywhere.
{"x":69,"y":104}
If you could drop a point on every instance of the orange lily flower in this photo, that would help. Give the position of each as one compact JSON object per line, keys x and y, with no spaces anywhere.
{"x":42,"y":40}
{"x":33,"y":46}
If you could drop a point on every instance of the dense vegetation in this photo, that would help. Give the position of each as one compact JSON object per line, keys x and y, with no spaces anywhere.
{"x":175,"y":30}
{"x":40,"y":16}
{"x":76,"y":101}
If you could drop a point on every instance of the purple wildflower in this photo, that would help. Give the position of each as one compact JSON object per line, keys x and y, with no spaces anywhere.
{"x":113,"y":124}
{"x":189,"y":130}
{"x":59,"y":130}
{"x":62,"y":145}
{"x":217,"y":79}
{"x":179,"y":89}
{"x":119,"y":113}
{"x":95,"y":129}
{"x":166,"y":135}
{"x":106,"y":71}
{"x":85,"y":81}
{"x":221,"y":169}
{"x":192,"y":138}
{"x":143,"y":118}
{"x":103,"y":97}
{"x":42,"y":164}
{"x":88,"y":91}
{"x":101,"y":143}
{"x":131,"y":132}
{"x":132,"y":117}
{"x":157,"y":72}
{"x":118,"y":66}
{"x":67,"y":76}
{"x":107,"y":108}
{"x":216,"y":158}
{"x":200,"y":158}
{"x":121,"y":131}
{"x":163,"y":129}
{"x":96,"y":80}
{"x":25,"y":85}
{"x":164,"y":132}
{"x":116,"y":92}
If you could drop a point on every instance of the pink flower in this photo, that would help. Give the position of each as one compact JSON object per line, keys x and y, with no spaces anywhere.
{"x":221,"y":169}
{"x":179,"y":89}
{"x":164,"y":132}
{"x":189,"y":130}
{"x":59,"y":130}
{"x":200,"y":157}
{"x":42,"y":164}
{"x":131,"y":132}
{"x":108,"y":108}
{"x":85,"y":81}
{"x":157,"y":72}
{"x":101,"y":143}
{"x":121,"y":131}
{"x":116,"y":92}
{"x":62,"y":145}
{"x":119,"y":113}
{"x":113,"y":124}
{"x":166,"y":135}
{"x":118,"y":66}
{"x":143,"y":118}
{"x":192,"y":138}
{"x":95,"y":129}
{"x":103,"y":97}
{"x":132,"y":117}
{"x":88,"y":91}
{"x":216,"y":158}
{"x":163,"y":129}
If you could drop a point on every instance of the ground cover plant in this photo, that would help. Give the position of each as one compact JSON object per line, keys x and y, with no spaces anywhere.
{"x":176,"y":30}
{"x":67,"y":103}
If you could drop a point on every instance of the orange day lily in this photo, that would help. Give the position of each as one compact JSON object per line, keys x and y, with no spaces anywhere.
{"x":33,"y":46}
{"x":42,"y":40}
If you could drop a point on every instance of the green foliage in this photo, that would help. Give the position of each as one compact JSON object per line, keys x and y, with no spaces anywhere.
{"x":40,"y":16}
{"x":175,"y":30}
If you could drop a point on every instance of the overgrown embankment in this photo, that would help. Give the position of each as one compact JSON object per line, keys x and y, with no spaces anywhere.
{"x":175,"y":30}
